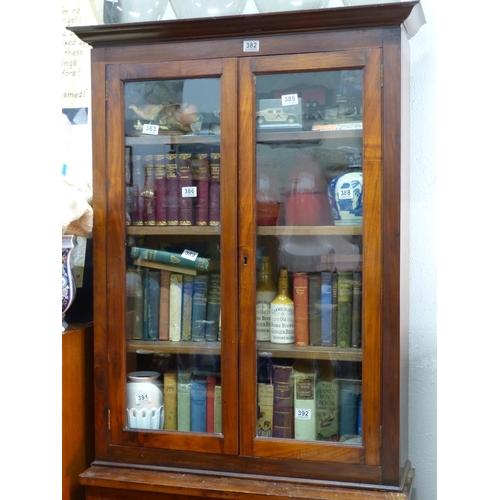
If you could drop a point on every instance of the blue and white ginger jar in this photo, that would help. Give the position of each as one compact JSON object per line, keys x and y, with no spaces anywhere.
{"x":345,"y":194}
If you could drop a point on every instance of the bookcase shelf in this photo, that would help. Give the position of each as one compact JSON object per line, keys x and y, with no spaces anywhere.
{"x":306,"y":135}
{"x":309,"y":230}
{"x":158,"y":140}
{"x":174,"y":230}
{"x":268,"y":349}
{"x":182,"y":347}
{"x":345,"y":282}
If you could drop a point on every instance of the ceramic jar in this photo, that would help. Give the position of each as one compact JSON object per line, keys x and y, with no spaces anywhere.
{"x":68,"y":278}
{"x":185,"y":9}
{"x":306,"y":201}
{"x":289,"y":5}
{"x":345,"y":194}
{"x":145,"y":406}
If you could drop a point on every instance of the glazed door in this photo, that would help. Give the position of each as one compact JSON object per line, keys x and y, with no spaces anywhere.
{"x":171,"y":255}
{"x":310,"y":263}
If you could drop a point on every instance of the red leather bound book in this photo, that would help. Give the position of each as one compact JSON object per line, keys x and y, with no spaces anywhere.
{"x":160,"y":190}
{"x":185,"y":181}
{"x":148,"y":192}
{"x":172,"y":189}
{"x":214,"y":190}
{"x":283,"y":402}
{"x":201,"y":178}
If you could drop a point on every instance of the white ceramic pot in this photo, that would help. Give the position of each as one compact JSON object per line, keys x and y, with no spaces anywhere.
{"x":145,"y":407}
{"x":345,"y":194}
{"x":185,"y":9}
{"x":128,"y":11}
{"x":284,"y":5}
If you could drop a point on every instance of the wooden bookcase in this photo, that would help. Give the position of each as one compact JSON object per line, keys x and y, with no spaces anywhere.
{"x":367,"y":44}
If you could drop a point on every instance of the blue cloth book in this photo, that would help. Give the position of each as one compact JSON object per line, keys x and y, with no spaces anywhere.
{"x":199,"y":313}
{"x":199,"y":404}
{"x":326,"y":309}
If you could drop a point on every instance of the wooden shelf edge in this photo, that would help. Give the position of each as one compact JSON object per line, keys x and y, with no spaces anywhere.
{"x":198,"y":484}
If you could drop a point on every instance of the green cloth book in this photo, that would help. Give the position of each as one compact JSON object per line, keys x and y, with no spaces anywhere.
{"x":187,"y":258}
{"x":304,"y":380}
{"x":213,"y":308}
{"x":344,"y":309}
{"x":184,"y":401}
{"x":327,"y":403}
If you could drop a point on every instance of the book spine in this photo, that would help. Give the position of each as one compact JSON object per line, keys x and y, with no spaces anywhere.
{"x":304,"y":379}
{"x":134,"y":304}
{"x":344,"y":309}
{"x":326,"y":309}
{"x":148,"y":192}
{"x":164,"y":322}
{"x":137,"y":181}
{"x":348,"y":410}
{"x":327,"y":410}
{"x":187,"y":306}
{"x":315,"y":309}
{"x":218,"y":409}
{"x":301,"y":308}
{"x":265,"y":396}
{"x":201,"y":178}
{"x":356,"y":309}
{"x":199,"y":404}
{"x":175,"y":312}
{"x":160,"y":190}
{"x":145,"y":304}
{"x":154,"y":305}
{"x":170,"y":400}
{"x":282,"y":402}
{"x":185,"y":181}
{"x":213,"y":307}
{"x":183,"y":402}
{"x":335,"y":296}
{"x":172,"y":189}
{"x":173,"y":258}
{"x":211,"y":381}
{"x":199,"y":307}
{"x":214,"y":190}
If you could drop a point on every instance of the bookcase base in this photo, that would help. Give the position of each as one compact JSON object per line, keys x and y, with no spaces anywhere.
{"x":112,"y":483}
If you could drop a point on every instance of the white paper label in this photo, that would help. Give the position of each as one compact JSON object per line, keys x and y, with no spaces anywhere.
{"x":142,"y":398}
{"x":289,"y":100}
{"x":189,"y":254}
{"x":302,"y":414}
{"x":251,"y":46}
{"x":345,"y":193}
{"x":150,"y":129}
{"x":189,"y":192}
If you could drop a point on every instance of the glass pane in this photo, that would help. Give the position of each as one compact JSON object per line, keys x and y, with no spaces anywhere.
{"x":173,"y":301}
{"x":309,"y":255}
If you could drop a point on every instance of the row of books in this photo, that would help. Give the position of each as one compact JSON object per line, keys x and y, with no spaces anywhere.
{"x":193,"y":403}
{"x":327,"y":308}
{"x":174,"y":306}
{"x":174,"y":189}
{"x":308,"y":403}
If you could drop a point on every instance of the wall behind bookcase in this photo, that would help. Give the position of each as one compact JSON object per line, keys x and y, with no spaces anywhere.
{"x":423,"y":267}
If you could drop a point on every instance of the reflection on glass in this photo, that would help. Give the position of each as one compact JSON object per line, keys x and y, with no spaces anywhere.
{"x":173,"y":293}
{"x":309,"y":255}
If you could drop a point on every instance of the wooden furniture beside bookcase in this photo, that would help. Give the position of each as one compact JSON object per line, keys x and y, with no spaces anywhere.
{"x":77,"y":408}
{"x":371,"y":43}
